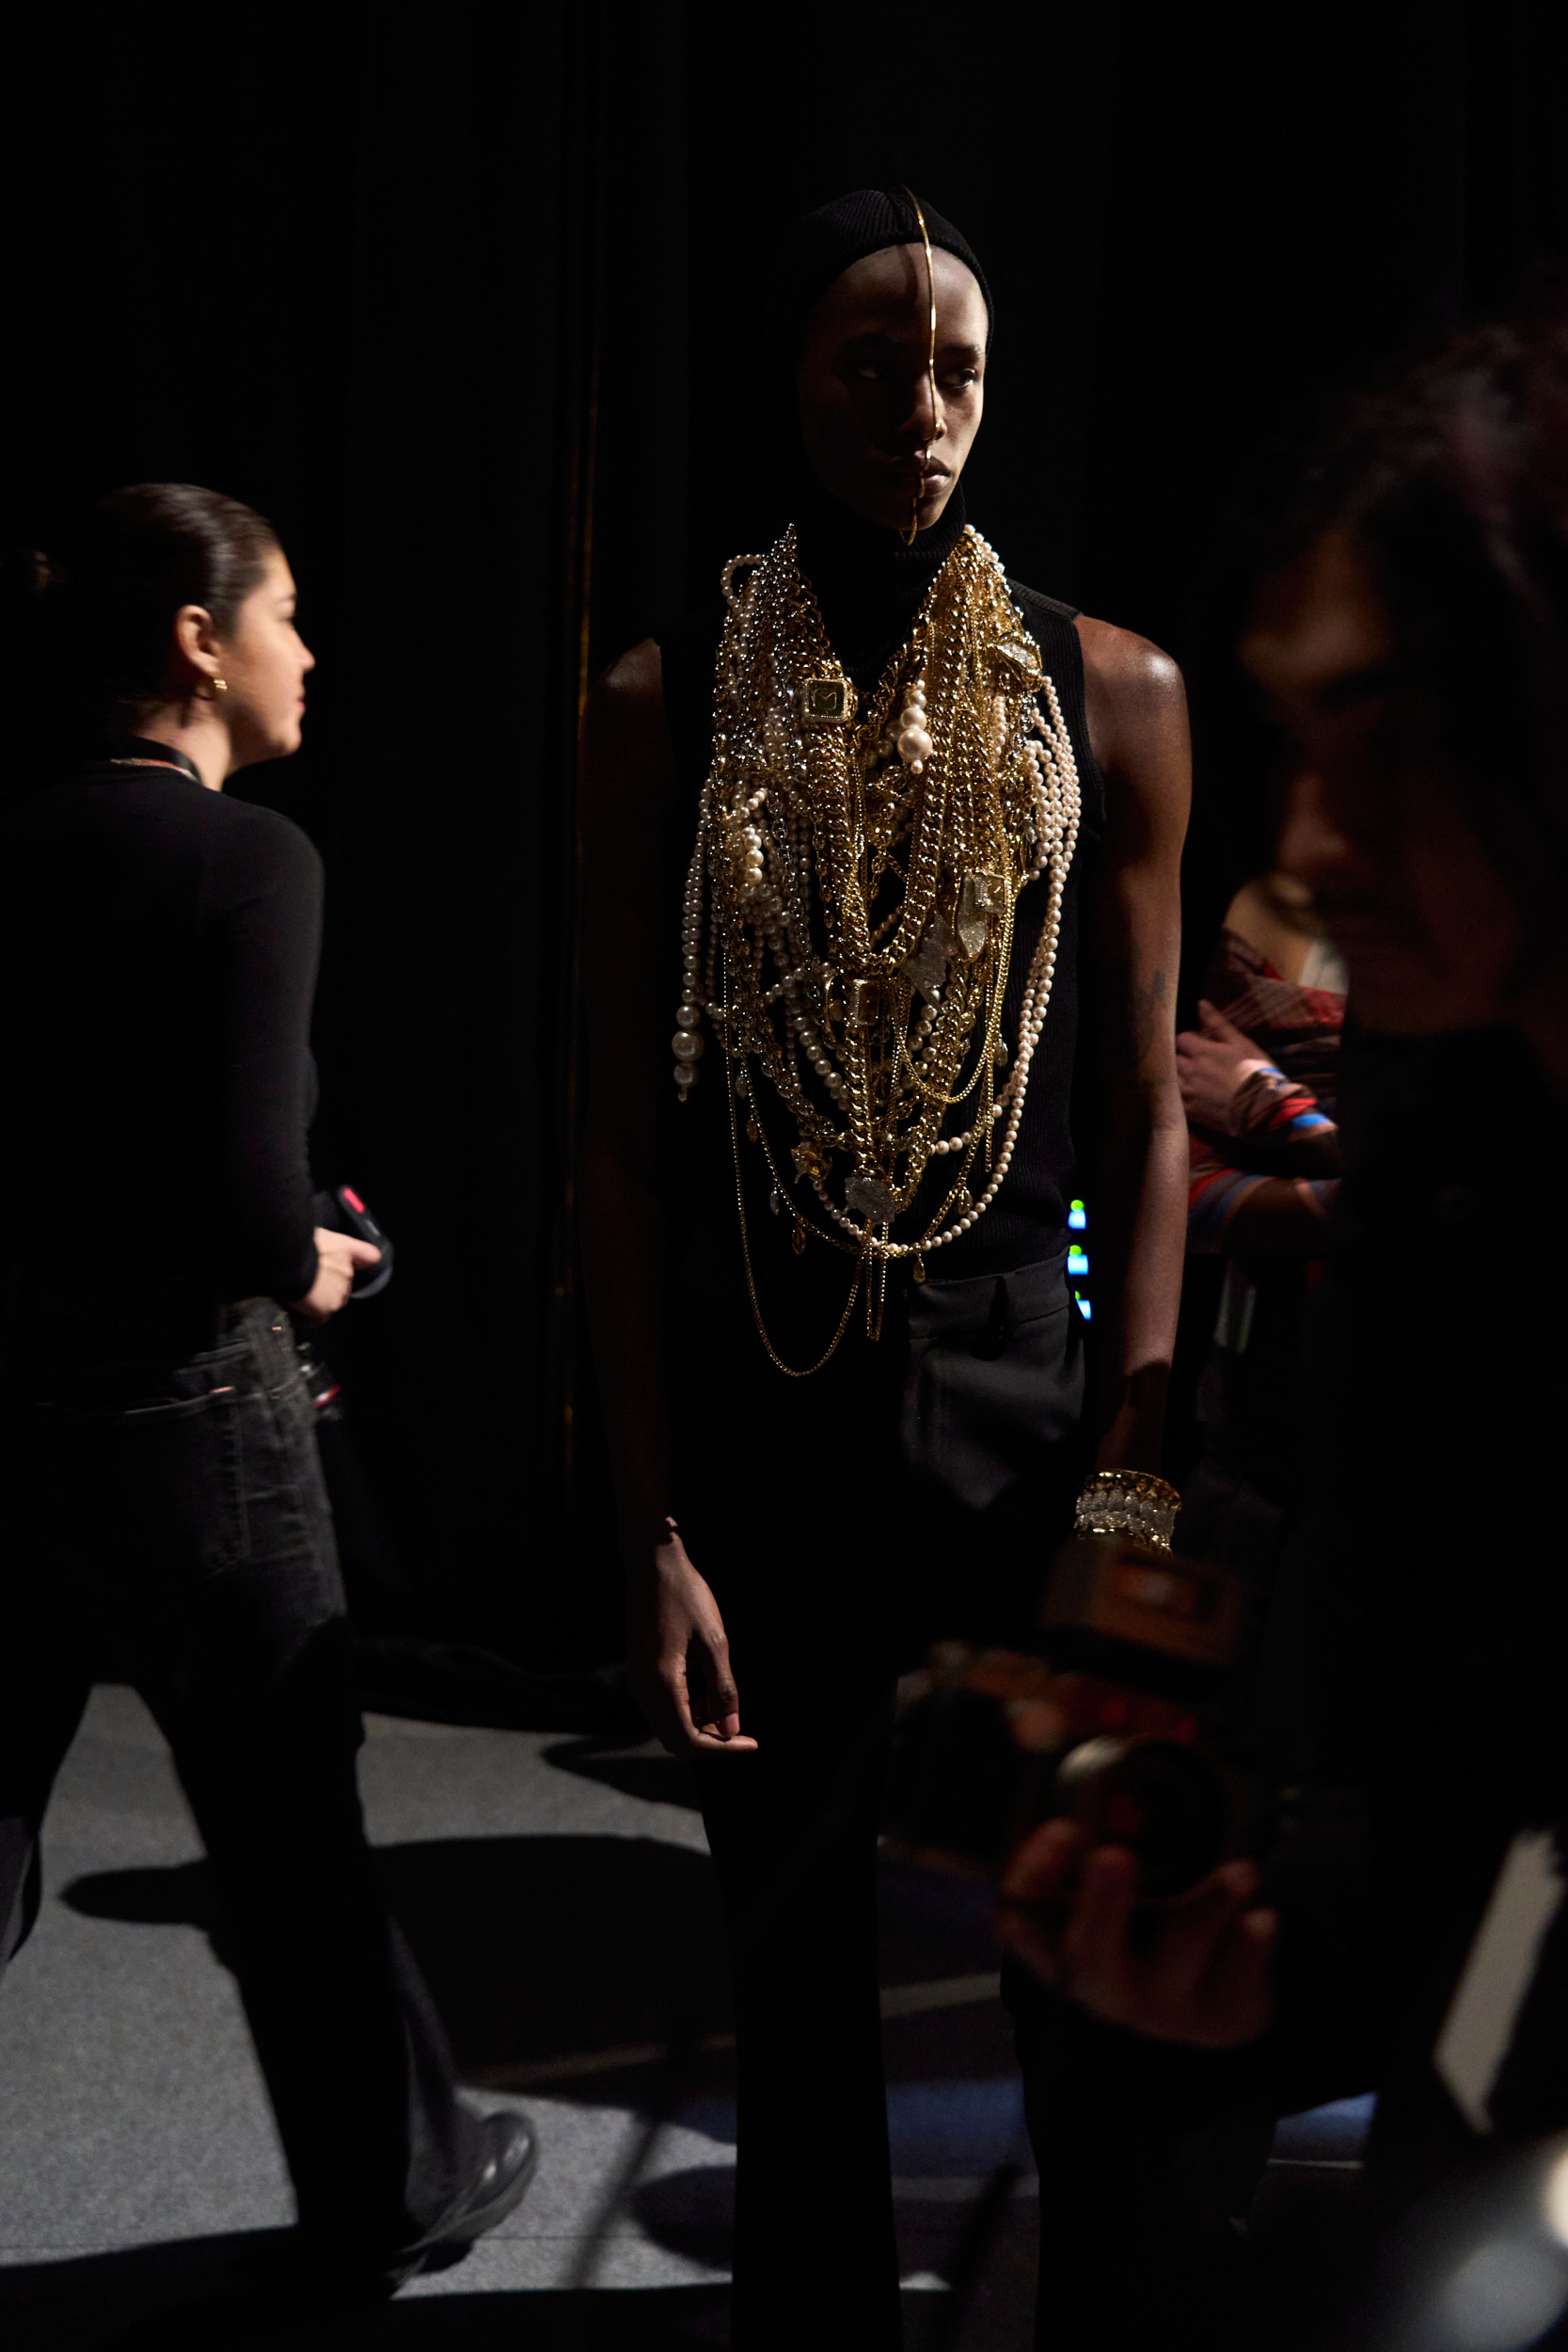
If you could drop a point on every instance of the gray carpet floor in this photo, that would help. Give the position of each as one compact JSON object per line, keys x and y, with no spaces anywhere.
{"x":559,"y":1897}
{"x":556,"y":1894}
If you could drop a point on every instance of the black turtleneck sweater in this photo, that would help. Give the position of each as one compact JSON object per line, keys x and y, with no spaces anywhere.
{"x":869,"y":587}
{"x":158,"y":943}
{"x":868,"y":584}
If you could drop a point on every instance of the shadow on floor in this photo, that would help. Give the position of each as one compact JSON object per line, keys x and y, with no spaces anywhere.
{"x":221,"y":2295}
{"x":233,"y":2294}
{"x":455,"y":1683}
{"x":113,"y":2299}
{"x":693,"y":2213}
{"x":523,"y":1940}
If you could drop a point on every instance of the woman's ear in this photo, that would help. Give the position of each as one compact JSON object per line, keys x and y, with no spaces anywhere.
{"x":196,"y":655}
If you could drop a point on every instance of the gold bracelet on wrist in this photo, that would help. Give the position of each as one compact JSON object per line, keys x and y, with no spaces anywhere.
{"x":1129,"y":1503}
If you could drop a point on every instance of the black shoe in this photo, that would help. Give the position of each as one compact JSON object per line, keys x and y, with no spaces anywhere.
{"x":509,"y":2155}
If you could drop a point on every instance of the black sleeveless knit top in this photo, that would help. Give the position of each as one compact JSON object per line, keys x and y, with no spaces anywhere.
{"x":1027,"y":1221}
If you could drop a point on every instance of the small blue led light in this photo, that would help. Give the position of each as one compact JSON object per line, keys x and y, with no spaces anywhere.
{"x":1076,"y":1262}
{"x":1084,"y":1307}
{"x":1076,"y":1216}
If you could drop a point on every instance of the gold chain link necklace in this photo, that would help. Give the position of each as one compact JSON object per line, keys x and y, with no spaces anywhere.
{"x":861,"y":864}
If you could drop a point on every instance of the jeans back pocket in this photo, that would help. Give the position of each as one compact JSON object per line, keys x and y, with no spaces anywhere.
{"x":163,"y":1479}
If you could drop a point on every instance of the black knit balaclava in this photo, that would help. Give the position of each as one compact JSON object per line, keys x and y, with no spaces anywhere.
{"x":869,"y":583}
{"x":821,"y":246}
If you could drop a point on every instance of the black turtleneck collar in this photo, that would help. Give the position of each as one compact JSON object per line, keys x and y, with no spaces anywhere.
{"x":868,"y":584}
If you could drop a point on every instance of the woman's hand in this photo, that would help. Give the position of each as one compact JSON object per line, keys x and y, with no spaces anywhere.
{"x":679,"y":1655}
{"x":1210,"y":1067}
{"x":339,"y":1259}
{"x":1198,"y":1973}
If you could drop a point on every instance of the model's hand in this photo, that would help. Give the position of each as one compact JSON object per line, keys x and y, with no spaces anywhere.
{"x":679,"y":1655}
{"x":1198,"y":1973}
{"x":339,"y":1259}
{"x":1210,"y":1065}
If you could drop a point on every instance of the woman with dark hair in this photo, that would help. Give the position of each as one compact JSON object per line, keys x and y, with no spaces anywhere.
{"x":1412,"y":643}
{"x":167,"y":1524}
{"x":873,"y":831}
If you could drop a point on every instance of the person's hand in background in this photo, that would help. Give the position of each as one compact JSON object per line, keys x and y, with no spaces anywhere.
{"x":1213,"y":1063}
{"x":1196,"y":1971}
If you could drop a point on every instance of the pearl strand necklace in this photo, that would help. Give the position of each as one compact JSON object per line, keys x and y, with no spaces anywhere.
{"x":1061,"y":813}
{"x":731,"y":830}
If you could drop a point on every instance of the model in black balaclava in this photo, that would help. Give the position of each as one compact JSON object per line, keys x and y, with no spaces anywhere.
{"x":781,"y":1570}
{"x":868,"y":582}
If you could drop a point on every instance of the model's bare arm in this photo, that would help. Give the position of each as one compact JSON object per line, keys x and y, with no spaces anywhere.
{"x":677,"y":1652}
{"x":1136,"y":1154}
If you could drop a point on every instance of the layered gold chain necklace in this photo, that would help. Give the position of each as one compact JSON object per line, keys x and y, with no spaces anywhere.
{"x":850,"y":906}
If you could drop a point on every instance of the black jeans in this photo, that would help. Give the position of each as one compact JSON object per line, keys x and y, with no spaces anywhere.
{"x":914,"y":1488}
{"x":169,"y":1527}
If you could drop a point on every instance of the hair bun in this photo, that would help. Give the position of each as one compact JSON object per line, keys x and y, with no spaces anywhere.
{"x":27,"y":575}
{"x":91,"y":639}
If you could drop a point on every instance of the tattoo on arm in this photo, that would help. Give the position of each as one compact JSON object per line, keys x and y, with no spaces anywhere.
{"x":1148,"y":1005}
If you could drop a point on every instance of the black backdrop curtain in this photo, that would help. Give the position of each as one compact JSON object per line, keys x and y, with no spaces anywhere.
{"x":473,"y":303}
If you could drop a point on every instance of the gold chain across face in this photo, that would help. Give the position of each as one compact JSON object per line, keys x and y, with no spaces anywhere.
{"x":862,"y":864}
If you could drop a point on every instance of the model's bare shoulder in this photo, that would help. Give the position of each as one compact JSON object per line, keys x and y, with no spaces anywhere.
{"x":1135,"y":700}
{"x":1128,"y":681}
{"x":637,"y":680}
{"x":629,"y":698}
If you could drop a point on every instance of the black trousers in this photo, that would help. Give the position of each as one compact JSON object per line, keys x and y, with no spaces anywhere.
{"x":915,"y":1488}
{"x":168,"y":1527}
{"x":1146,"y":2153}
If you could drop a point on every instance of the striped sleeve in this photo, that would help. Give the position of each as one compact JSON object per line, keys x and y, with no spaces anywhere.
{"x":1214,"y":1193}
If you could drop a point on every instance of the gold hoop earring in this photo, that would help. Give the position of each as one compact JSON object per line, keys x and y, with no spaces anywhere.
{"x":219,"y":685}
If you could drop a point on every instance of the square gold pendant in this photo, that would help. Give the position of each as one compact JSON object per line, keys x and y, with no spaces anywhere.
{"x":825,"y":701}
{"x":1017,"y":663}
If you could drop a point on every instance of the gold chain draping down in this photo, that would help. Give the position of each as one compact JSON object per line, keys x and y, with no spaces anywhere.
{"x":862,"y":865}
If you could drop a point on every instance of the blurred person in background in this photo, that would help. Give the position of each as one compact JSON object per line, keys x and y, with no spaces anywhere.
{"x":1258,"y":1081}
{"x":1404,"y":1931}
{"x":165,"y":1518}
